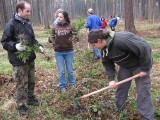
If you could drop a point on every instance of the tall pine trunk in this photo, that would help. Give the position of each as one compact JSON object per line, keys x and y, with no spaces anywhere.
{"x":2,"y":14}
{"x":129,"y":19}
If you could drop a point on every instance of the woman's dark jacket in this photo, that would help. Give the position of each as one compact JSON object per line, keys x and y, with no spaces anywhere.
{"x":129,"y":51}
{"x":14,"y":28}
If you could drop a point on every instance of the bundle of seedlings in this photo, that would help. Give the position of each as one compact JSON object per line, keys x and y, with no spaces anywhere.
{"x":24,"y":55}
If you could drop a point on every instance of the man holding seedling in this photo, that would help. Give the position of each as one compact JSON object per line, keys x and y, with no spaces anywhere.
{"x":18,"y":37}
{"x":133,"y":55}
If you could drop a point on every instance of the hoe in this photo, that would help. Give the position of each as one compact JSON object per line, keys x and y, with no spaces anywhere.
{"x":102,"y":89}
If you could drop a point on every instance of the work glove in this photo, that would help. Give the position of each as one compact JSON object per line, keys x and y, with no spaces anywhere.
{"x":20,"y":47}
{"x":41,"y":49}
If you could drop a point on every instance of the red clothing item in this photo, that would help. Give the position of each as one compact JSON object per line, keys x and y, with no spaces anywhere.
{"x":104,"y":24}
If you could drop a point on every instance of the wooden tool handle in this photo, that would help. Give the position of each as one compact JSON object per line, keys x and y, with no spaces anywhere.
{"x":118,"y":83}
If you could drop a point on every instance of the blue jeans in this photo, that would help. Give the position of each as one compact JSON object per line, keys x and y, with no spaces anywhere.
{"x":96,"y":53}
{"x":65,"y":59}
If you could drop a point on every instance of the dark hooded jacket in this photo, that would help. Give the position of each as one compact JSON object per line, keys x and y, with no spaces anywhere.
{"x":15,"y":27}
{"x":126,"y":50}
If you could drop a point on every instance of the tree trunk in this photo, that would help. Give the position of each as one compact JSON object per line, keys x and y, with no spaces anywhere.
{"x":46,"y":21}
{"x":87,"y":4}
{"x":150,"y":10}
{"x":129,"y":19}
{"x":2,"y":16}
{"x":113,"y":8}
{"x":43,"y":10}
{"x":156,"y":9}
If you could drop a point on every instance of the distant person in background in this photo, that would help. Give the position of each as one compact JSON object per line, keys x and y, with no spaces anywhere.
{"x":104,"y":24}
{"x":93,"y":22}
{"x":113,"y":23}
{"x":61,"y":39}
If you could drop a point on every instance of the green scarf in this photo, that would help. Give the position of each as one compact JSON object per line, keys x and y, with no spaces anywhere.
{"x":108,"y":39}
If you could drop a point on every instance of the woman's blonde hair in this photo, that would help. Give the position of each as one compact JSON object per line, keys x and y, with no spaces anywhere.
{"x":56,"y":13}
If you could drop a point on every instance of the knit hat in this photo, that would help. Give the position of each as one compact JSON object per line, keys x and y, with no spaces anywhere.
{"x":94,"y":35}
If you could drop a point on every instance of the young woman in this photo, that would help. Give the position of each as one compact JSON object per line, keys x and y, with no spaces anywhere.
{"x":61,"y":37}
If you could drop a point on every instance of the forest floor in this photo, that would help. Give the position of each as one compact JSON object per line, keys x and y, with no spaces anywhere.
{"x":90,"y":76}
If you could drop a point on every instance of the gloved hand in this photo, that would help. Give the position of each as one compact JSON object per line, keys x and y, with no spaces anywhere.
{"x":20,"y":47}
{"x":41,"y":49}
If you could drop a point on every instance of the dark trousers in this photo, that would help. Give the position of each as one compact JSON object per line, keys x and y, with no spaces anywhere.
{"x":143,"y":84}
{"x":25,"y":82}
